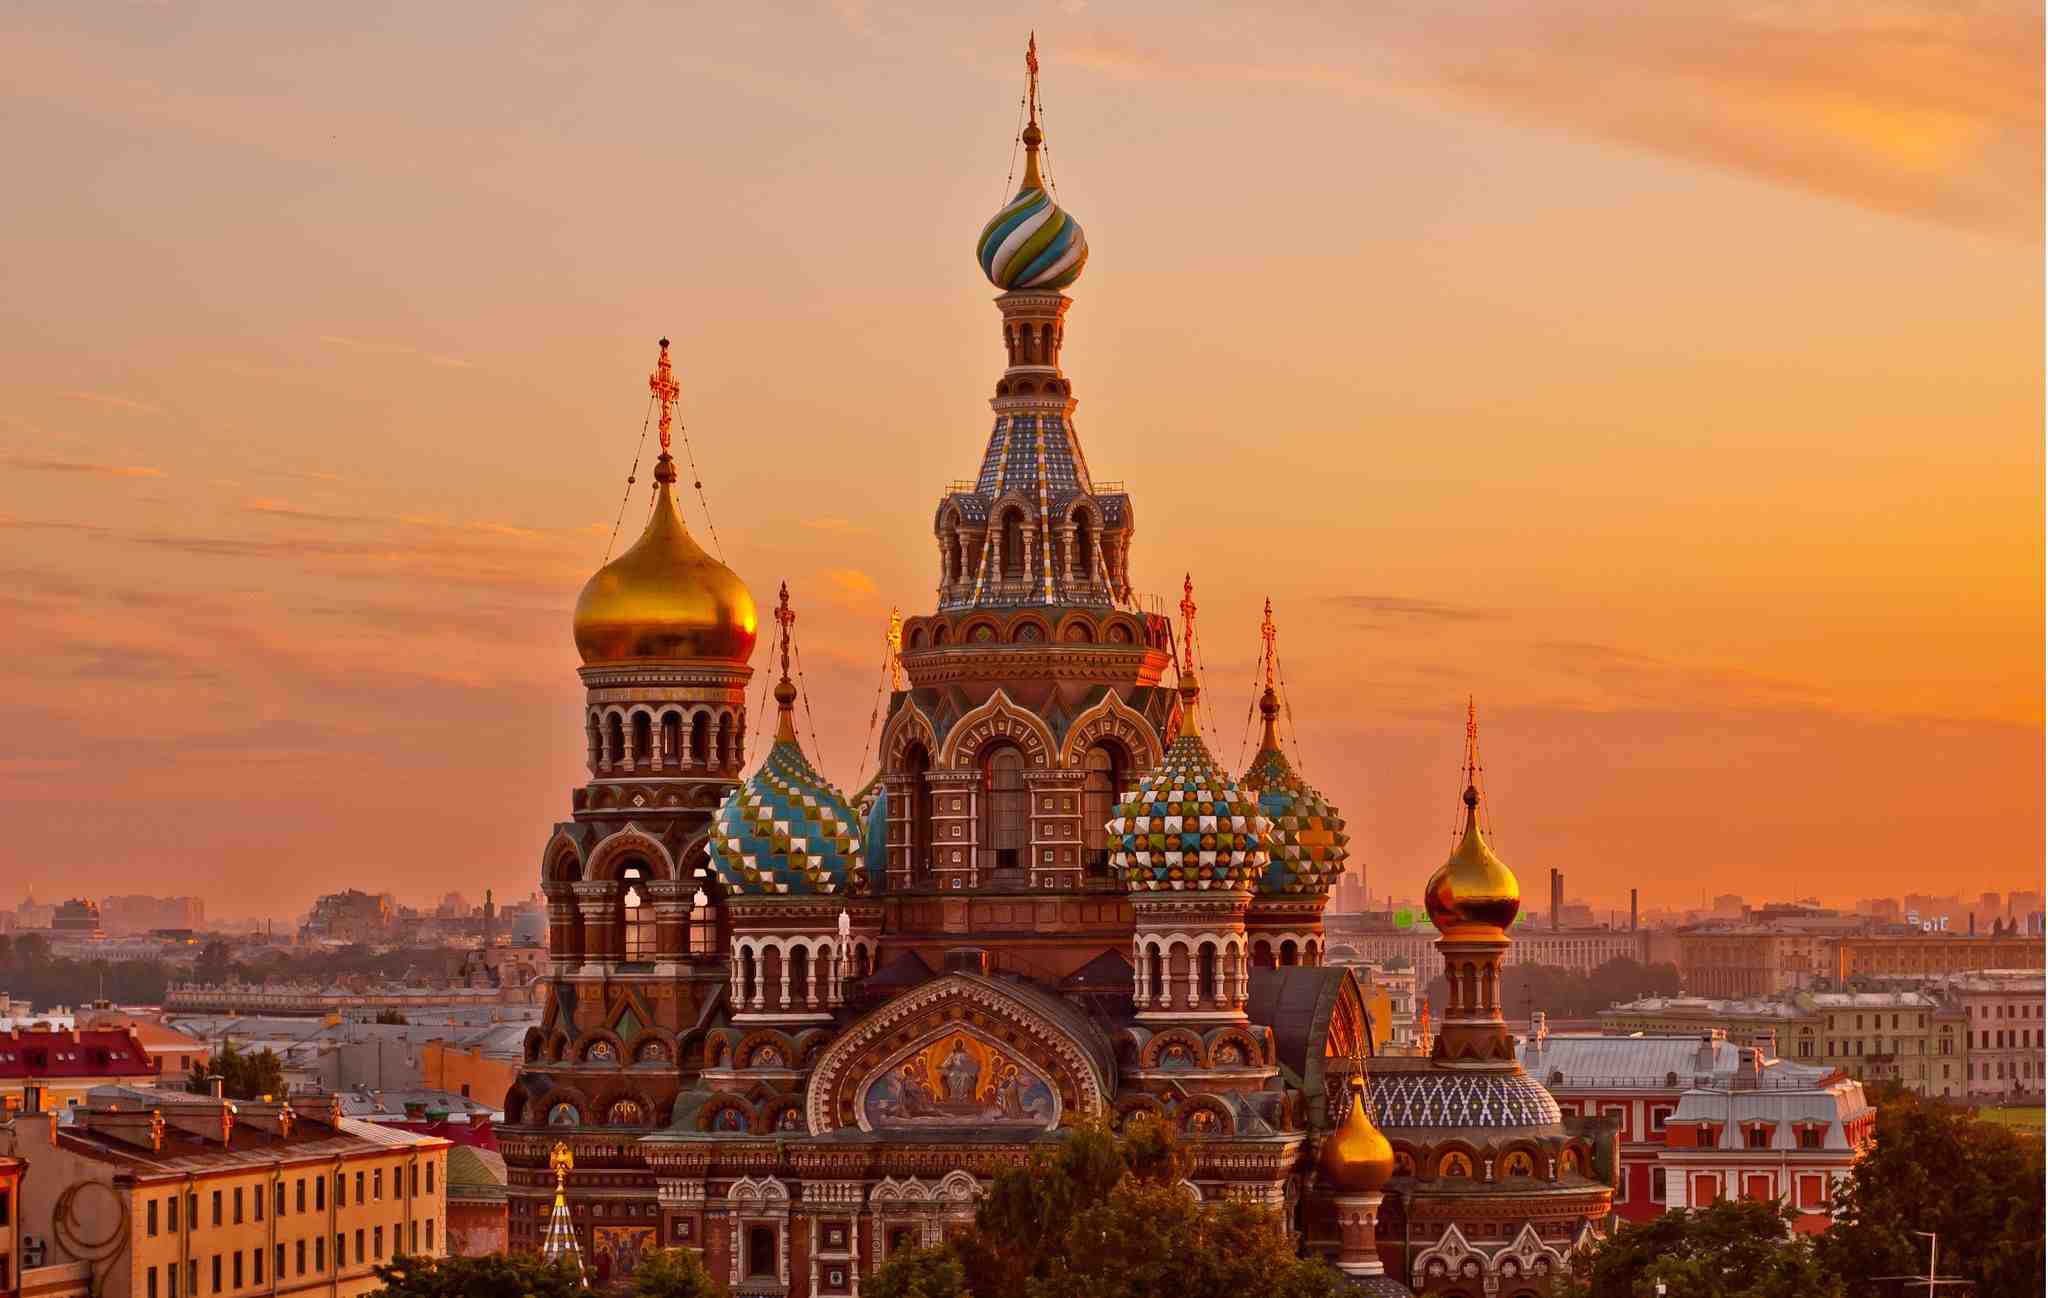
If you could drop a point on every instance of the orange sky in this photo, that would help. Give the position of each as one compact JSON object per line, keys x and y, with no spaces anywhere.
{"x":1671,"y":383}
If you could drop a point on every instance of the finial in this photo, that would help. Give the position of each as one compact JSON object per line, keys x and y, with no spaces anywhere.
{"x":1187,"y":623}
{"x":1471,"y":753}
{"x":893,"y":637}
{"x":1269,"y":634}
{"x":561,"y":1159}
{"x":1033,"y":135}
{"x":785,"y":690}
{"x":662,"y":383}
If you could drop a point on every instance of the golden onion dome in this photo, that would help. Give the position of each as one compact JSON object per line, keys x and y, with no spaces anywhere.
{"x":1474,"y":889}
{"x":665,"y":598}
{"x":1356,"y":1159}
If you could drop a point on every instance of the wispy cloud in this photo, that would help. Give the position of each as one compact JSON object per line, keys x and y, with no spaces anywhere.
{"x":42,"y":464}
{"x":848,"y":585}
{"x":846,"y":526}
{"x":395,"y":349}
{"x":114,"y":402}
{"x":1391,"y":606}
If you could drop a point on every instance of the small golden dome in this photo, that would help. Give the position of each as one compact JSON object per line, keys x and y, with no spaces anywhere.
{"x":665,"y":598}
{"x":1356,"y":1159}
{"x":1473,"y":889}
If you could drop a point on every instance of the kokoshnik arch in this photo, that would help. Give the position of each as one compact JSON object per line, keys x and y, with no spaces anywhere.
{"x":800,"y":1031}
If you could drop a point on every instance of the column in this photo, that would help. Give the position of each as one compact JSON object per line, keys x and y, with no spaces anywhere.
{"x":598,"y":900}
{"x":671,"y":899}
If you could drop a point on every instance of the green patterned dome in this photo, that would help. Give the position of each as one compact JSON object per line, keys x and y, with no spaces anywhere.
{"x":1188,"y":826}
{"x":786,"y":831}
{"x":1308,"y":844}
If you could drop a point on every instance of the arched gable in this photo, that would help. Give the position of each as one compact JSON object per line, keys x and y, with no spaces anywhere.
{"x":909,"y":725}
{"x":999,"y":718}
{"x":561,"y":861}
{"x":961,"y":1052}
{"x":631,"y":840}
{"x":1112,"y":718}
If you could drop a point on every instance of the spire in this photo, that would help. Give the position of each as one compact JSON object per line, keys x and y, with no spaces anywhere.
{"x":893,"y":637}
{"x":560,"y":1242}
{"x":662,"y":383}
{"x":1471,"y":763}
{"x":1033,"y":135}
{"x":1269,"y":702}
{"x":785,"y":690}
{"x":1190,"y":687}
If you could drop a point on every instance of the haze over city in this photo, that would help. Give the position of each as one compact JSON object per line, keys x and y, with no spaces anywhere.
{"x":1694,"y":429}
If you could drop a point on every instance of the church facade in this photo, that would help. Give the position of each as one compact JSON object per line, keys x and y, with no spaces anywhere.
{"x":800,"y":1031}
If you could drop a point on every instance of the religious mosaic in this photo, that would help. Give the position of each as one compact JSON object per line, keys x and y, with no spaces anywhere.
{"x":958,"y":1081}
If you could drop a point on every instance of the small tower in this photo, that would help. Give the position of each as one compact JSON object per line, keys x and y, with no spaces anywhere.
{"x":1309,"y":846}
{"x":1355,"y":1165}
{"x":560,"y":1244}
{"x":789,"y":852}
{"x":1472,"y":899}
{"x":1189,"y":845}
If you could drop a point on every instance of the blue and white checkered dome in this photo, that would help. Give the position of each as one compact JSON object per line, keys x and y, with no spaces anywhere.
{"x":1308,"y":844}
{"x":1189,"y":827}
{"x":788,"y":832}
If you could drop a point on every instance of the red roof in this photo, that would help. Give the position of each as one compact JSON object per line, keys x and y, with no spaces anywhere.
{"x":87,"y":1053}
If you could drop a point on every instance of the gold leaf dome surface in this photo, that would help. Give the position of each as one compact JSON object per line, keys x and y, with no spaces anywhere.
{"x":1474,"y":889}
{"x":1356,"y":1158}
{"x":665,"y":598}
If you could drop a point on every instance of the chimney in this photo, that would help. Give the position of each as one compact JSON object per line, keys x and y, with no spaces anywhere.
{"x":1539,"y":1028}
{"x":1703,"y":1060}
{"x":216,"y":1086}
{"x":1553,"y":900}
{"x":1634,"y":912}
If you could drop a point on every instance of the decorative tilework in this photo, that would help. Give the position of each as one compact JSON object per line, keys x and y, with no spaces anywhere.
{"x":1308,"y":843}
{"x":1188,"y":826}
{"x":1443,"y":1098}
{"x":787,"y":831}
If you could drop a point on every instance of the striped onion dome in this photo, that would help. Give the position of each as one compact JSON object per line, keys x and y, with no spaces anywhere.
{"x":787,"y":831}
{"x":1032,"y":243}
{"x":1308,"y":843}
{"x":1188,"y":826}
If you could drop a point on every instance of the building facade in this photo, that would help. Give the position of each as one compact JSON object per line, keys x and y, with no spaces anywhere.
{"x":2001,"y":1019}
{"x":1912,"y":1038}
{"x":799,"y":1032}
{"x":62,"y":1066}
{"x":169,"y":1195}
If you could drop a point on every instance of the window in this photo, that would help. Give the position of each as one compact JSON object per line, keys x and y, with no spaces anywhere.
{"x":300,"y":1250}
{"x":378,"y":1236}
{"x":430,"y":1220}
{"x":1706,"y":1189}
{"x":415,"y":1243}
{"x":192,"y":1276}
{"x":1657,"y":1191}
{"x":319,"y":1194}
{"x":1757,"y":1188}
{"x":430,"y":1178}
{"x":238,"y":1205}
{"x":1661,"y":1113}
{"x":415,"y":1178}
{"x":376,"y":1184}
{"x":917,"y":765}
{"x":238,"y":1268}
{"x":171,"y":1280}
{"x":152,"y":1230}
{"x":216,"y":1273}
{"x":1007,"y":828}
{"x":1809,"y":1137}
{"x":257,"y":1196}
{"x":192,"y":1209}
{"x":1618,"y":1112}
{"x":359,"y":1187}
{"x":360,"y":1255}
{"x":1099,"y":786}
{"x":152,"y":1283}
{"x":216,"y":1212}
{"x":279,"y":1271}
{"x":320,"y":1252}
{"x":1621,"y":1186}
{"x":636,"y":906}
{"x":761,"y":1252}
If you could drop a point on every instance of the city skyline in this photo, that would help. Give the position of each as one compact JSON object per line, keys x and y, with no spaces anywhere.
{"x":1645,"y":468}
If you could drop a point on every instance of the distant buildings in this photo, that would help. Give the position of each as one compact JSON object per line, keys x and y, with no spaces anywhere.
{"x":143,"y":914}
{"x":351,"y":917}
{"x":1378,"y":940}
{"x":77,"y":918}
{"x":55,"y":1069}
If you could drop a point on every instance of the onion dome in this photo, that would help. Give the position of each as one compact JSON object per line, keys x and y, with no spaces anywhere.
{"x":787,"y":831}
{"x":1308,"y":844}
{"x":1188,"y":826}
{"x":665,"y":598}
{"x":1474,"y":889}
{"x":874,"y":814}
{"x":1032,"y":243}
{"x":1356,"y":1159}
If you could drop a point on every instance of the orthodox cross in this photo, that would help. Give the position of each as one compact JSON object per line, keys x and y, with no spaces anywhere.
{"x":1270,"y":635}
{"x":784,"y":617}
{"x":1187,"y":621}
{"x":561,"y":1160}
{"x":1471,"y":743}
{"x":1031,"y":69}
{"x":662,"y":383}
{"x":893,"y":637}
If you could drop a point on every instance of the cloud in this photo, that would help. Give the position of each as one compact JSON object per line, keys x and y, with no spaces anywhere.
{"x":1401,"y":606}
{"x":117,"y":403}
{"x":395,"y":349}
{"x":842,"y":525}
{"x":46,"y":465}
{"x":848,"y":585}
{"x":285,"y":509}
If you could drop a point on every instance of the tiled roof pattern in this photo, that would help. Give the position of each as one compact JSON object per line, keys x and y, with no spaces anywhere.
{"x":787,"y":832}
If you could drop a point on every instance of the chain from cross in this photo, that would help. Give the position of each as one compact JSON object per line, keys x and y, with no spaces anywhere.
{"x":1187,"y":621}
{"x":662,"y":383}
{"x":785,"y":617}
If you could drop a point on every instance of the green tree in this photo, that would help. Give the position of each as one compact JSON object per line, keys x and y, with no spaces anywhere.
{"x":496,"y":1275}
{"x":920,"y":1273}
{"x":216,"y":963}
{"x":243,"y":1077}
{"x":390,"y":1016}
{"x":673,"y":1273}
{"x":1936,"y":1167}
{"x":1730,"y":1249}
{"x":1153,"y":1240}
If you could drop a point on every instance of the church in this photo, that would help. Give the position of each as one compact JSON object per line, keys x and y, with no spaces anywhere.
{"x":799,"y":1030}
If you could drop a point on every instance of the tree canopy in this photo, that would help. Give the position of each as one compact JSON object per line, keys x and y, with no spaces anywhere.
{"x":495,"y":1275}
{"x":1730,"y":1249}
{"x":243,"y":1077}
{"x":1103,"y":1216}
{"x":673,"y":1273}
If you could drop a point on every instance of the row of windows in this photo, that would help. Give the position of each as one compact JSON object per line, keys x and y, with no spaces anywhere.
{"x":2032,"y":1011}
{"x":2007,"y":1038}
{"x":231,"y":1271}
{"x":2005,"y":1068}
{"x":231,"y":1208}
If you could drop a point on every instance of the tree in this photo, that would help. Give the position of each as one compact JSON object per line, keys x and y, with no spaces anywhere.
{"x":920,"y":1273}
{"x":1936,"y":1167}
{"x":216,"y":963}
{"x":243,"y":1077}
{"x":673,"y":1273}
{"x":1730,"y":1249}
{"x":1150,"y":1240}
{"x":496,"y":1275}
{"x":390,"y":1016}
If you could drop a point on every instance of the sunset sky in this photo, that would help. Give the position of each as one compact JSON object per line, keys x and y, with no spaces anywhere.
{"x":1668,"y":377}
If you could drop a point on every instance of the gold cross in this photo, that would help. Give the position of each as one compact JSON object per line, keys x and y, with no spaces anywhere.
{"x":1471,"y":743}
{"x":1187,"y":621}
{"x":1269,"y":634}
{"x":662,"y":383}
{"x":785,"y":616}
{"x":893,"y":637}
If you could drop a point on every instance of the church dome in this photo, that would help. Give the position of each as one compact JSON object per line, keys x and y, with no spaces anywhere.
{"x":1357,"y":1158}
{"x":665,"y":598}
{"x":1188,"y":826}
{"x":787,"y":831}
{"x":1474,"y":889}
{"x":1032,"y":243}
{"x":1308,"y":844}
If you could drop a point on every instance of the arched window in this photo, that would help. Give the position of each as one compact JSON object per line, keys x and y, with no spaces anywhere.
{"x":671,"y":738}
{"x":1084,"y":546}
{"x":643,"y":739}
{"x":636,"y":905}
{"x":1288,"y":953}
{"x":700,"y":739}
{"x":615,"y":731}
{"x":1013,"y":543}
{"x":799,"y":976}
{"x":725,"y":753}
{"x":1158,"y":976}
{"x":1205,"y":976}
{"x":1102,"y":777}
{"x":917,"y":765}
{"x":749,"y":976}
{"x":1006,"y":819}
